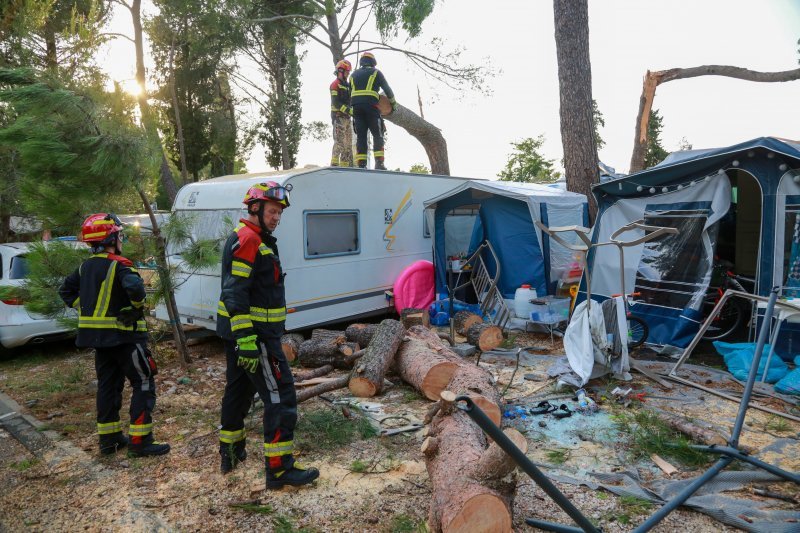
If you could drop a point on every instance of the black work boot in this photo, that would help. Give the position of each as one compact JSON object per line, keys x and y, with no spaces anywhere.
{"x":362,"y":164}
{"x":296,"y":476}
{"x":379,"y":165}
{"x":232,"y":455}
{"x":112,"y":442}
{"x":147,"y":447}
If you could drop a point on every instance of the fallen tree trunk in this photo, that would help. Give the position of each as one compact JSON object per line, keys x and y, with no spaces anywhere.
{"x":422,"y":368}
{"x":412,"y":316}
{"x":463,"y":320}
{"x":485,"y":336}
{"x":367,"y":379}
{"x":473,"y":484}
{"x":695,"y":432}
{"x":468,"y":379}
{"x":291,"y":345}
{"x":361,"y":334}
{"x":429,"y":136}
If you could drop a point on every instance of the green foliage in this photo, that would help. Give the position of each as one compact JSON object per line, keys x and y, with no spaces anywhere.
{"x":25,"y":464}
{"x":282,"y":129}
{"x":285,"y":525}
{"x":358,"y":466}
{"x":526,"y":164}
{"x":599,"y":122}
{"x":684,"y":144}
{"x":392,"y":15}
{"x":326,"y":429}
{"x":655,"y":152}
{"x":558,"y":456}
{"x":402,"y":523}
{"x":647,"y":435}
{"x":419,"y":168}
{"x":317,"y":131}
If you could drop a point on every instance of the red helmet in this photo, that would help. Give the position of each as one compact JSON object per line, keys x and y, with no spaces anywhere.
{"x":368,"y":58}
{"x":344,"y":65}
{"x":101,"y":228}
{"x":270,"y":190}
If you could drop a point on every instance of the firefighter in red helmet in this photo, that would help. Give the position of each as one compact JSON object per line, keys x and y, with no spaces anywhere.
{"x":341,"y":111}
{"x":109,"y":294}
{"x":250,"y":320}
{"x":365,"y":83}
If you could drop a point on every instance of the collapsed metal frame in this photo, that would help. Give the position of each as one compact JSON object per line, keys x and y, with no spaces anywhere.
{"x":729,"y":453}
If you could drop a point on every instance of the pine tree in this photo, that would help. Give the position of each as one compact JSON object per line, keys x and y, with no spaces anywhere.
{"x":655,"y":151}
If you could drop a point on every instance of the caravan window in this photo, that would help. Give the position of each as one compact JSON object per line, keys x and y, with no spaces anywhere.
{"x":791,"y":247}
{"x":331,"y":233}
{"x":674,"y":270}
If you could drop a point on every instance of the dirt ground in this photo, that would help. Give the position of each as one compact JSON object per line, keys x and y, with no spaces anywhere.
{"x":369,"y":484}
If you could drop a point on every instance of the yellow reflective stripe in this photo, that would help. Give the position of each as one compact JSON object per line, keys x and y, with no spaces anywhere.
{"x":241,"y":322}
{"x":343,"y":109}
{"x":371,"y":80}
{"x":137,"y":303}
{"x":140,"y":430}
{"x":96,"y":234}
{"x":221,"y":309}
{"x":361,"y":157}
{"x":104,"y":297}
{"x":109,"y":427}
{"x":264,"y":249}
{"x":108,"y":322}
{"x":103,"y":222}
{"x":276,"y":449}
{"x":377,"y":153}
{"x":259,"y":314}
{"x":230,"y":437}
{"x":76,"y":303}
{"x":103,"y":255}
{"x":241,"y":269}
{"x":368,"y":90}
{"x":334,"y":93}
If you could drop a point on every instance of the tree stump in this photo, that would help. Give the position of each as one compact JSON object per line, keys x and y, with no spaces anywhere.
{"x":412,"y":316}
{"x":485,"y":336}
{"x":473,"y":483}
{"x":291,"y":345}
{"x":367,"y":378}
{"x":423,"y":368}
{"x":463,"y":320}
{"x":468,"y":379}
{"x":361,"y":334}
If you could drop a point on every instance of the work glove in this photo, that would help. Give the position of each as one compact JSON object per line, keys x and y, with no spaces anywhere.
{"x":247,"y":353}
{"x":350,"y":110}
{"x":394,"y":104}
{"x":130,"y":315}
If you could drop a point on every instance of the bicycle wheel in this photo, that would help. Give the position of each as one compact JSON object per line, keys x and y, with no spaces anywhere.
{"x":637,"y":332}
{"x":730,"y":318}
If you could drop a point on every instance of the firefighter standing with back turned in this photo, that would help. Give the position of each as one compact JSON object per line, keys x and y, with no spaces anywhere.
{"x":340,"y":116}
{"x":250,"y":319}
{"x":110,"y":295}
{"x":365,"y":84}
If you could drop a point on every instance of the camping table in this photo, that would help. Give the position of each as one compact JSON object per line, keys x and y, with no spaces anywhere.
{"x":784,"y":315}
{"x":550,"y":325}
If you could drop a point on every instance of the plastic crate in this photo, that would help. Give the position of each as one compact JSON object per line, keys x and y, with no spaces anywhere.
{"x":550,"y":310}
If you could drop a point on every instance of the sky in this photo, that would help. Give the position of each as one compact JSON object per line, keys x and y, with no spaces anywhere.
{"x":515,"y":38}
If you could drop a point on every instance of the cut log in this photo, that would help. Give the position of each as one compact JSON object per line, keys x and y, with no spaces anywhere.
{"x":463,"y":320}
{"x":693,"y":431}
{"x":291,"y":345}
{"x":348,"y":348}
{"x":468,"y":378}
{"x":328,"y":336}
{"x":494,"y":462}
{"x":310,"y":392}
{"x":361,"y":334}
{"x":412,"y":316}
{"x":485,"y":336}
{"x":473,"y":485}
{"x":423,"y":368}
{"x":367,"y":380}
{"x":326,"y":350}
{"x":314,"y":373}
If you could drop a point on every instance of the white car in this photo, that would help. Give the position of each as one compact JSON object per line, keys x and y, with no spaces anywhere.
{"x":18,"y":327}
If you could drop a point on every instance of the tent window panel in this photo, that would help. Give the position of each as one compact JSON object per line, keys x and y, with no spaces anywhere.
{"x":791,"y":251}
{"x":675,"y":268}
{"x":331,"y":233}
{"x":458,"y":228}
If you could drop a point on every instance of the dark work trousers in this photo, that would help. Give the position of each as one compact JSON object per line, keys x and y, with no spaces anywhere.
{"x":113,"y":365}
{"x":275,"y":385}
{"x":367,"y":118}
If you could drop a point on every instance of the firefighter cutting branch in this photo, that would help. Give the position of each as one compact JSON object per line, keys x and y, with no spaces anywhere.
{"x":109,"y":294}
{"x":250,"y":319}
{"x":365,"y":84}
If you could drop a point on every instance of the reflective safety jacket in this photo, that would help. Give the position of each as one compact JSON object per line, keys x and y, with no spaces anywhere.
{"x":340,"y":98}
{"x":103,"y":285}
{"x":253,"y":299}
{"x":365,"y":82}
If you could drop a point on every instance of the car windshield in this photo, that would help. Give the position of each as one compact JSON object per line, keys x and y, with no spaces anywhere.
{"x":18,"y":268}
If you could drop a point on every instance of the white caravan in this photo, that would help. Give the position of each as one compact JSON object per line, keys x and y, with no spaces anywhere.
{"x":344,"y":240}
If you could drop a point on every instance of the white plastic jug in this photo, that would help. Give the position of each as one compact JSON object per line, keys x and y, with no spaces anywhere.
{"x":522,"y":304}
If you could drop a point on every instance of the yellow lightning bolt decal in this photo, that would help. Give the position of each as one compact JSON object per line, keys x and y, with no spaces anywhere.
{"x":405,"y":203}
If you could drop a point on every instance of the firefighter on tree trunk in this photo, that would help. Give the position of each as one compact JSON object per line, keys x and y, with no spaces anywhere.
{"x":365,"y":84}
{"x":250,"y":319}
{"x":340,"y":116}
{"x":109,"y":294}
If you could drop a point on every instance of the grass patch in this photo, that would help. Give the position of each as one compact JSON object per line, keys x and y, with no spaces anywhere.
{"x":402,"y":523}
{"x":648,"y":435}
{"x":253,"y":508}
{"x":411,"y":395}
{"x":358,"y":466}
{"x":24,"y":465}
{"x":509,"y":342}
{"x":777,"y":424}
{"x":326,"y":429}
{"x":557,"y":456}
{"x":284,"y":525}
{"x":634,"y":505}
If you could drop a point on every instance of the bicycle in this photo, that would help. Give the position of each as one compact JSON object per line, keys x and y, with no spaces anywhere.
{"x":638,"y":330}
{"x":735,"y":312}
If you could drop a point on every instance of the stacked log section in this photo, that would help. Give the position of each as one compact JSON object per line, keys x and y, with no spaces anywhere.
{"x":291,"y":345}
{"x":423,"y":368}
{"x":367,"y":378}
{"x":485,"y":336}
{"x":361,"y":334}
{"x":463,"y":320}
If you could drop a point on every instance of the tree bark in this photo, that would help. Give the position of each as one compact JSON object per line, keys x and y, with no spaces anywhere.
{"x":328,"y":335}
{"x":575,"y":91}
{"x":322,"y":388}
{"x":316,"y":353}
{"x":423,"y":368}
{"x":428,"y":135}
{"x":361,"y":334}
{"x":485,"y":336}
{"x":654,"y":79}
{"x":411,"y":316}
{"x":291,"y":345}
{"x":463,"y":320}
{"x":695,"y":432}
{"x":176,"y":109}
{"x":367,"y":379}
